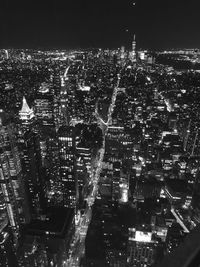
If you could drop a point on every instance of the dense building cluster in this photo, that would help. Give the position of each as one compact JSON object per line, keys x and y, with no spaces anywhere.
{"x":99,"y":157}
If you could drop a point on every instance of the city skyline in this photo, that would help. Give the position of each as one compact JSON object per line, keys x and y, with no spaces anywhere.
{"x":84,"y":24}
{"x":98,"y":146}
{"x":99,"y":133}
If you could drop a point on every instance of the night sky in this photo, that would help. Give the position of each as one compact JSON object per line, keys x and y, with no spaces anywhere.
{"x":158,"y":24}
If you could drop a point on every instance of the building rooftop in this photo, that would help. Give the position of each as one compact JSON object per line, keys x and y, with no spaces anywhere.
{"x":58,"y":221}
{"x":187,"y":254}
{"x":25,"y":110}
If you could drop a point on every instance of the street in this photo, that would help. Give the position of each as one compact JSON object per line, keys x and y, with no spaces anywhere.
{"x":77,"y":247}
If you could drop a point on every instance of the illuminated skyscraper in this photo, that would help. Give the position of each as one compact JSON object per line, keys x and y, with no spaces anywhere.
{"x":11,"y":177}
{"x":142,"y":248}
{"x":31,"y":162}
{"x":7,"y":257}
{"x":85,"y":154}
{"x":67,"y":159}
{"x":31,"y":158}
{"x":56,"y":90}
{"x":133,"y":52}
{"x":67,"y":103}
{"x":52,"y":157}
{"x":7,"y":252}
{"x":44,"y":106}
{"x":122,"y":54}
{"x":26,"y":116}
{"x":82,"y":176}
{"x":124,"y":187}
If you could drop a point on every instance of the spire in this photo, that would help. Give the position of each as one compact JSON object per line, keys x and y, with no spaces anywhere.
{"x":134,"y":38}
{"x":26,"y":112}
{"x":25,"y":106}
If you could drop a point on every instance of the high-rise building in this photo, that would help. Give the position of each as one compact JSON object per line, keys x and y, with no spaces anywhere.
{"x":31,"y":253}
{"x":115,"y":181}
{"x":83,"y":178}
{"x":46,"y":242}
{"x":29,"y":146}
{"x":124,"y":189}
{"x":7,"y":251}
{"x":141,"y":248}
{"x":11,"y":177}
{"x":122,"y":54}
{"x":44,"y":106}
{"x":67,"y":157}
{"x":26,"y":115}
{"x":68,"y":102}
{"x":31,"y":162}
{"x":56,"y":90}
{"x":53,"y":190}
{"x":7,"y":255}
{"x":52,"y":156}
{"x":27,"y":119}
{"x":133,"y":52}
{"x":85,"y":153}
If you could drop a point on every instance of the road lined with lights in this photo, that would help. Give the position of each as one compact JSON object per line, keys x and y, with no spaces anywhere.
{"x":77,"y":247}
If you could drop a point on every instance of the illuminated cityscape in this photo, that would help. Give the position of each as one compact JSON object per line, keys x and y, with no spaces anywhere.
{"x":99,"y":138}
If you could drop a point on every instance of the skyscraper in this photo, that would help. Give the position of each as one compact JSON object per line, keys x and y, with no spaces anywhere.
{"x":133,"y":52}
{"x":31,"y":162}
{"x":67,"y":159}
{"x":7,"y":257}
{"x":56,"y":90}
{"x":53,"y":192}
{"x":11,"y":177}
{"x":44,"y":106}
{"x":7,"y":251}
{"x":67,"y":101}
{"x":26,"y":114}
{"x":141,"y":248}
{"x":29,"y":146}
{"x":122,"y":55}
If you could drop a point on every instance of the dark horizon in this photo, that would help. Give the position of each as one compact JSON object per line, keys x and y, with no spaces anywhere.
{"x":83,"y":24}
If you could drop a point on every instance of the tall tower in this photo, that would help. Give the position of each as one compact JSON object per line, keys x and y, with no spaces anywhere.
{"x":26,"y":114}
{"x":57,"y":82}
{"x":29,"y":147}
{"x":133,"y":52}
{"x":11,"y":177}
{"x":44,"y":106}
{"x":67,"y":111}
{"x":32,"y":169}
{"x":122,"y":53}
{"x":67,"y":157}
